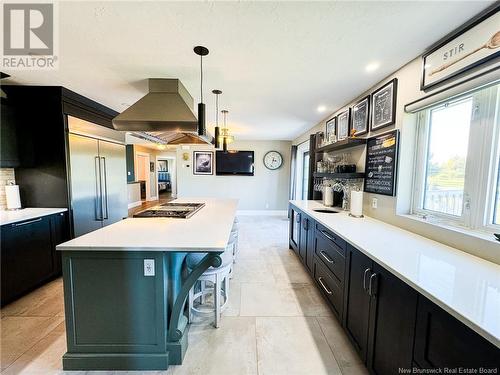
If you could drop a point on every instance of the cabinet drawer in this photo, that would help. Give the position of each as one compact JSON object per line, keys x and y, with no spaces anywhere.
{"x":331,"y":255}
{"x":329,"y":287}
{"x":331,"y":236}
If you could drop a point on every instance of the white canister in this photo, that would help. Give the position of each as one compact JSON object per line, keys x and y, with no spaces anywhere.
{"x":328,"y":196}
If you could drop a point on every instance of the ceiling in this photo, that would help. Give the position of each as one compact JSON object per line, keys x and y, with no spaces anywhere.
{"x":275,"y":62}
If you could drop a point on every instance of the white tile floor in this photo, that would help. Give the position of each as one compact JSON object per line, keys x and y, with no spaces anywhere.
{"x":276,"y":321}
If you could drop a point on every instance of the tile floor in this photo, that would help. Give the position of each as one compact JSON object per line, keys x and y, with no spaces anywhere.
{"x":276,"y":321}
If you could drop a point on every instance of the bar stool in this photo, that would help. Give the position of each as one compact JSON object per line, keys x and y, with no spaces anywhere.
{"x":233,"y":238}
{"x":215,"y":275}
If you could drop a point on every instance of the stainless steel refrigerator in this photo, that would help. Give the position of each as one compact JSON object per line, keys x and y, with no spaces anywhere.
{"x":98,"y":183}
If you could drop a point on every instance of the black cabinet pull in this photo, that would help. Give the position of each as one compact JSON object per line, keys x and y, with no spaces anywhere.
{"x":320,"y":280}
{"x":372,"y":290}
{"x":327,"y":235}
{"x":27,"y":222}
{"x":305,"y":223}
{"x":326,"y":257}
{"x":364,"y":279}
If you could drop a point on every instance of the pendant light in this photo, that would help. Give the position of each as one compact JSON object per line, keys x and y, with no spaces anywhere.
{"x":202,"y":130}
{"x":217,"y":129}
{"x":224,"y":131}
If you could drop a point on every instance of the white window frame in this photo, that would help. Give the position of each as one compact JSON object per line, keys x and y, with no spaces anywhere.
{"x":481,"y":164}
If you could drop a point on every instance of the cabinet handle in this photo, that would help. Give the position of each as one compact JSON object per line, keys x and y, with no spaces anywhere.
{"x":104,"y":197}
{"x":326,"y":257}
{"x":27,"y":222}
{"x":98,"y":191}
{"x":364,"y":278}
{"x":327,"y":235}
{"x":305,"y":224}
{"x":298,"y":218}
{"x":372,"y":290}
{"x":320,"y":279}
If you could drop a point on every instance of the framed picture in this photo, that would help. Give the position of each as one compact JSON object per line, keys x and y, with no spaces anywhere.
{"x":331,"y":129}
{"x":361,"y":116}
{"x":474,"y":44}
{"x":343,"y":124}
{"x":203,"y":162}
{"x":384,"y":105}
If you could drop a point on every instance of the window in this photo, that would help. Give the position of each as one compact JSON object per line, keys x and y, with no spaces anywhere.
{"x":302,"y":171}
{"x":305,"y":175}
{"x":457,"y":165}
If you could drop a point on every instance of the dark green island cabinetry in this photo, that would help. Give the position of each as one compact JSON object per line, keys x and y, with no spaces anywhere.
{"x":126,"y":287}
{"x":391,"y":325}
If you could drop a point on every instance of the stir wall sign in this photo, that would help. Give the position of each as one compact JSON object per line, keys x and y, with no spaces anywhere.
{"x":475,"y":44}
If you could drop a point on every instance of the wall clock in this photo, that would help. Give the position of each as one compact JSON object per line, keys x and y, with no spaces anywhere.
{"x":273,"y":160}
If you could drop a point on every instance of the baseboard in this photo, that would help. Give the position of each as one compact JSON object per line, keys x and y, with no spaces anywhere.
{"x":261,"y":212}
{"x":134,"y":204}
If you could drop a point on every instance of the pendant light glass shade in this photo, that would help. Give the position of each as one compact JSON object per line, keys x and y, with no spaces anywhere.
{"x":217,"y":138}
{"x":224,"y":132}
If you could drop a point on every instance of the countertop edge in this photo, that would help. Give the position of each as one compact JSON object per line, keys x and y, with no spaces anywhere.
{"x":140,"y":249}
{"x":471,"y":324}
{"x":33,"y":215}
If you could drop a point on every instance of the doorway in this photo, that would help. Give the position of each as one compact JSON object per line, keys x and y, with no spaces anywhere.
{"x":302,"y":171}
{"x":166,"y":177}
{"x":142,"y":174}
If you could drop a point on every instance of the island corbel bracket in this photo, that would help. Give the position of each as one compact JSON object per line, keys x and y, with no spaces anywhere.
{"x":178,"y":321}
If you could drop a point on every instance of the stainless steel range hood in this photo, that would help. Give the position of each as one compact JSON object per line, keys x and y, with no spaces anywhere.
{"x":168,"y":107}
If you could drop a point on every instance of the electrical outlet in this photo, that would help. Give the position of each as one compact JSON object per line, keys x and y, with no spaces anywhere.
{"x":149,"y":267}
{"x":374,"y":202}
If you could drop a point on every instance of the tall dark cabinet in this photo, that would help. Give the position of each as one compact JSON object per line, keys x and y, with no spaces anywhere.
{"x":41,"y":130}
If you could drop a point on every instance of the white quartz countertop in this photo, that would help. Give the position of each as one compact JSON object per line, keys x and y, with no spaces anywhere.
{"x":11,"y":217}
{"x":207,"y":230}
{"x":466,"y":286}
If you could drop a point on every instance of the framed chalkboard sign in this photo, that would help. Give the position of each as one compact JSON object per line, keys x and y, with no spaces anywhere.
{"x":384,"y":105}
{"x":382,"y":163}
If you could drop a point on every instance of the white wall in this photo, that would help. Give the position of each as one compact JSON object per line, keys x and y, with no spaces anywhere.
{"x":266,"y":190}
{"x":392,"y":209}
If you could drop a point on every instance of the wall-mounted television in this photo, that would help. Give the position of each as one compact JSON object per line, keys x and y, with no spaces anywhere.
{"x":239,"y":163}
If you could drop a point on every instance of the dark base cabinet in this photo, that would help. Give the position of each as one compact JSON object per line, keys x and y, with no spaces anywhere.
{"x":393,"y":328}
{"x":294,"y":229}
{"x":392,"y":323}
{"x":302,"y":237}
{"x":357,"y":306}
{"x":28,"y":254}
{"x":443,"y":341}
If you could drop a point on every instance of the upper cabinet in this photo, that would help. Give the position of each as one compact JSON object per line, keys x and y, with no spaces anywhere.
{"x":8,"y":148}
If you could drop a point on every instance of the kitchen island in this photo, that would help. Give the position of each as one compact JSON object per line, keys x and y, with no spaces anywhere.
{"x":125,"y":287}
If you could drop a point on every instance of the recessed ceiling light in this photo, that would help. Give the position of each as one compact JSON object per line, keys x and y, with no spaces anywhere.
{"x":371,"y":67}
{"x":321,"y":108}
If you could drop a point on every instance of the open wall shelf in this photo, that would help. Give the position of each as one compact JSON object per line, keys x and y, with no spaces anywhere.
{"x":340,"y":175}
{"x":340,"y":145}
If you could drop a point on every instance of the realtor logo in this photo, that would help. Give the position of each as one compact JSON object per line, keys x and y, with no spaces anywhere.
{"x":28,"y":36}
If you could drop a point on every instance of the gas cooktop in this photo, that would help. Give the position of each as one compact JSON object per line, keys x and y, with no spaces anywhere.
{"x":175,"y":210}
